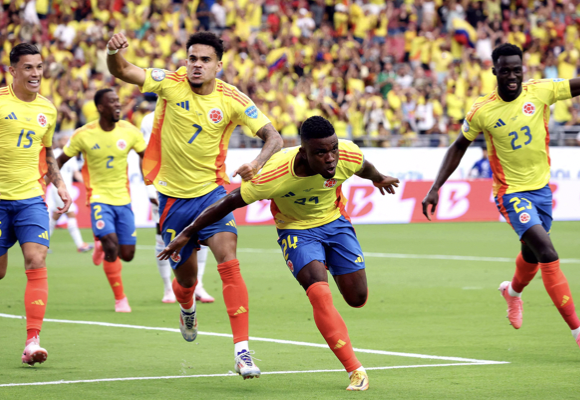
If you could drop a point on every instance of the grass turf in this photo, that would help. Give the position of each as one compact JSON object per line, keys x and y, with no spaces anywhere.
{"x":424,"y":306}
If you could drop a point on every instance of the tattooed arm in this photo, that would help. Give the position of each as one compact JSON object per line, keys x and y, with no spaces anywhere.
{"x":272,"y":143}
{"x":53,"y":176}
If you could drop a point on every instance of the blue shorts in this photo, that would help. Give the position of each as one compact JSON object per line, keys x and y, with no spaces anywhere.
{"x":23,"y":220}
{"x":106,"y":219}
{"x":334,"y":244}
{"x":176,"y":214}
{"x":525,"y":209}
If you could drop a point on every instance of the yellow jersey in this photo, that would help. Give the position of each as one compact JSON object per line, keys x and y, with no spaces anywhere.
{"x":26,"y":128}
{"x":303,"y":202}
{"x":517,"y":134}
{"x":186,"y":155}
{"x":105,"y":153}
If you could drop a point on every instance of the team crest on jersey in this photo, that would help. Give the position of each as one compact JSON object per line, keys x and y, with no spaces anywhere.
{"x":525,"y":218}
{"x":252,"y":112}
{"x":290,"y":265}
{"x":215,"y":115}
{"x":158,"y":75}
{"x":329,"y":183}
{"x":466,"y":126}
{"x":176,"y":257}
{"x":121,"y":144}
{"x":100,"y":224}
{"x":42,"y":121}
{"x":529,"y":109}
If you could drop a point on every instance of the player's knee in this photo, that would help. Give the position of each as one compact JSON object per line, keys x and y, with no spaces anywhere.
{"x":34,"y":261}
{"x":547,"y":255}
{"x":2,"y":273}
{"x":127,"y":254}
{"x":357,"y":300}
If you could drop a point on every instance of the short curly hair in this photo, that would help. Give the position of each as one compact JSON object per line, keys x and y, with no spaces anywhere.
{"x":506,"y":49}
{"x":316,"y":128}
{"x":209,"y":39}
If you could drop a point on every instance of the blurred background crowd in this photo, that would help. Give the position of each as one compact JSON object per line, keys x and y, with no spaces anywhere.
{"x":386,"y":73}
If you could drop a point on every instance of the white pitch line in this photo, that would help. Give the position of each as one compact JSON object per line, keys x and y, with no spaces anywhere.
{"x":149,"y":378}
{"x":258,"y":339}
{"x":403,"y":256}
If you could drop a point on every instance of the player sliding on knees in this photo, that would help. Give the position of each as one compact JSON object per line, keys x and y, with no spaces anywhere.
{"x":105,"y":145}
{"x":313,"y":227}
{"x":185,"y":160}
{"x":514,"y":119}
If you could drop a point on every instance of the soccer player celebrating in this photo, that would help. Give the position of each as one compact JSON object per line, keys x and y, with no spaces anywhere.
{"x":163,"y":265}
{"x":194,"y":119}
{"x":514,"y":119}
{"x":105,"y":144}
{"x":314,"y":231}
{"x":68,"y":170}
{"x":26,"y":128}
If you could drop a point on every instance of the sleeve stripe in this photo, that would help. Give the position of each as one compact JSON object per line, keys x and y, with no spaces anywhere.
{"x":479,"y":106}
{"x":229,"y":92}
{"x":260,"y":182}
{"x":270,"y":173}
{"x":351,"y":160}
{"x":349,"y":154}
{"x":229,"y":95}
{"x":176,"y":79}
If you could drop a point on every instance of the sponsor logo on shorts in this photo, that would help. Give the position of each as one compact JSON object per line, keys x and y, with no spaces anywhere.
{"x":158,"y":75}
{"x":290,"y":265}
{"x":42,"y":121}
{"x":252,"y":112}
{"x":329,"y":183}
{"x":176,"y":257}
{"x":100,"y":224}
{"x":215,"y":115}
{"x":121,"y":144}
{"x":525,"y":218}
{"x":529,"y":109}
{"x":466,"y":126}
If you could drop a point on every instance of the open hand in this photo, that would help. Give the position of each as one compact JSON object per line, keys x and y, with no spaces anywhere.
{"x":387,"y":184}
{"x":174,"y":247}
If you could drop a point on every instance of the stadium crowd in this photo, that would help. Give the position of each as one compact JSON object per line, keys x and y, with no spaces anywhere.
{"x":385,"y":73}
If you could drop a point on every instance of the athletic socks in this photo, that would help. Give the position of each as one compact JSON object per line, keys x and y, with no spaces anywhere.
{"x":113,"y":272}
{"x":184,"y":295}
{"x":525,"y":272}
{"x":35,"y":299}
{"x":236,"y":298}
{"x":240,"y":347}
{"x":75,"y":233}
{"x":331,"y":325}
{"x":163,"y":265}
{"x":201,"y":259}
{"x":557,"y":287}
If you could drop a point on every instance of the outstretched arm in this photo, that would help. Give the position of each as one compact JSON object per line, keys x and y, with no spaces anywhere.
{"x":450,"y":162}
{"x":210,"y":215}
{"x":53,"y":175}
{"x":272,"y":143}
{"x":121,"y":68}
{"x":383,"y":182}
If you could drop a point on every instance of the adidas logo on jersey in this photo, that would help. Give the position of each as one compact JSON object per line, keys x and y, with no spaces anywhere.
{"x":11,"y":116}
{"x":499,"y":123}
{"x":44,"y":235}
{"x":184,"y":105}
{"x":95,"y":147}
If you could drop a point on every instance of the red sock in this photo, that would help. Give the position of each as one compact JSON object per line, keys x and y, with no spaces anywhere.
{"x":184,"y":295}
{"x":525,"y":272}
{"x":113,"y":272}
{"x":236,"y":298}
{"x":558,"y":289}
{"x":35,"y":299}
{"x":331,"y":325}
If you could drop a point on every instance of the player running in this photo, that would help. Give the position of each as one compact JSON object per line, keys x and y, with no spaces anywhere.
{"x":105,"y":144}
{"x":163,"y":265}
{"x":514,"y":119}
{"x":27,"y":122}
{"x":194,"y":119}
{"x":69,"y":170}
{"x":314,"y":230}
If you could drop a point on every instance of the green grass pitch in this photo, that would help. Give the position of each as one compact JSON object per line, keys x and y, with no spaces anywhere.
{"x":418,"y":306}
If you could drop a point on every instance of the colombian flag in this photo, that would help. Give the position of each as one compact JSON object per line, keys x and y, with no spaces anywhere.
{"x":276,"y":60}
{"x":464,"y":33}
